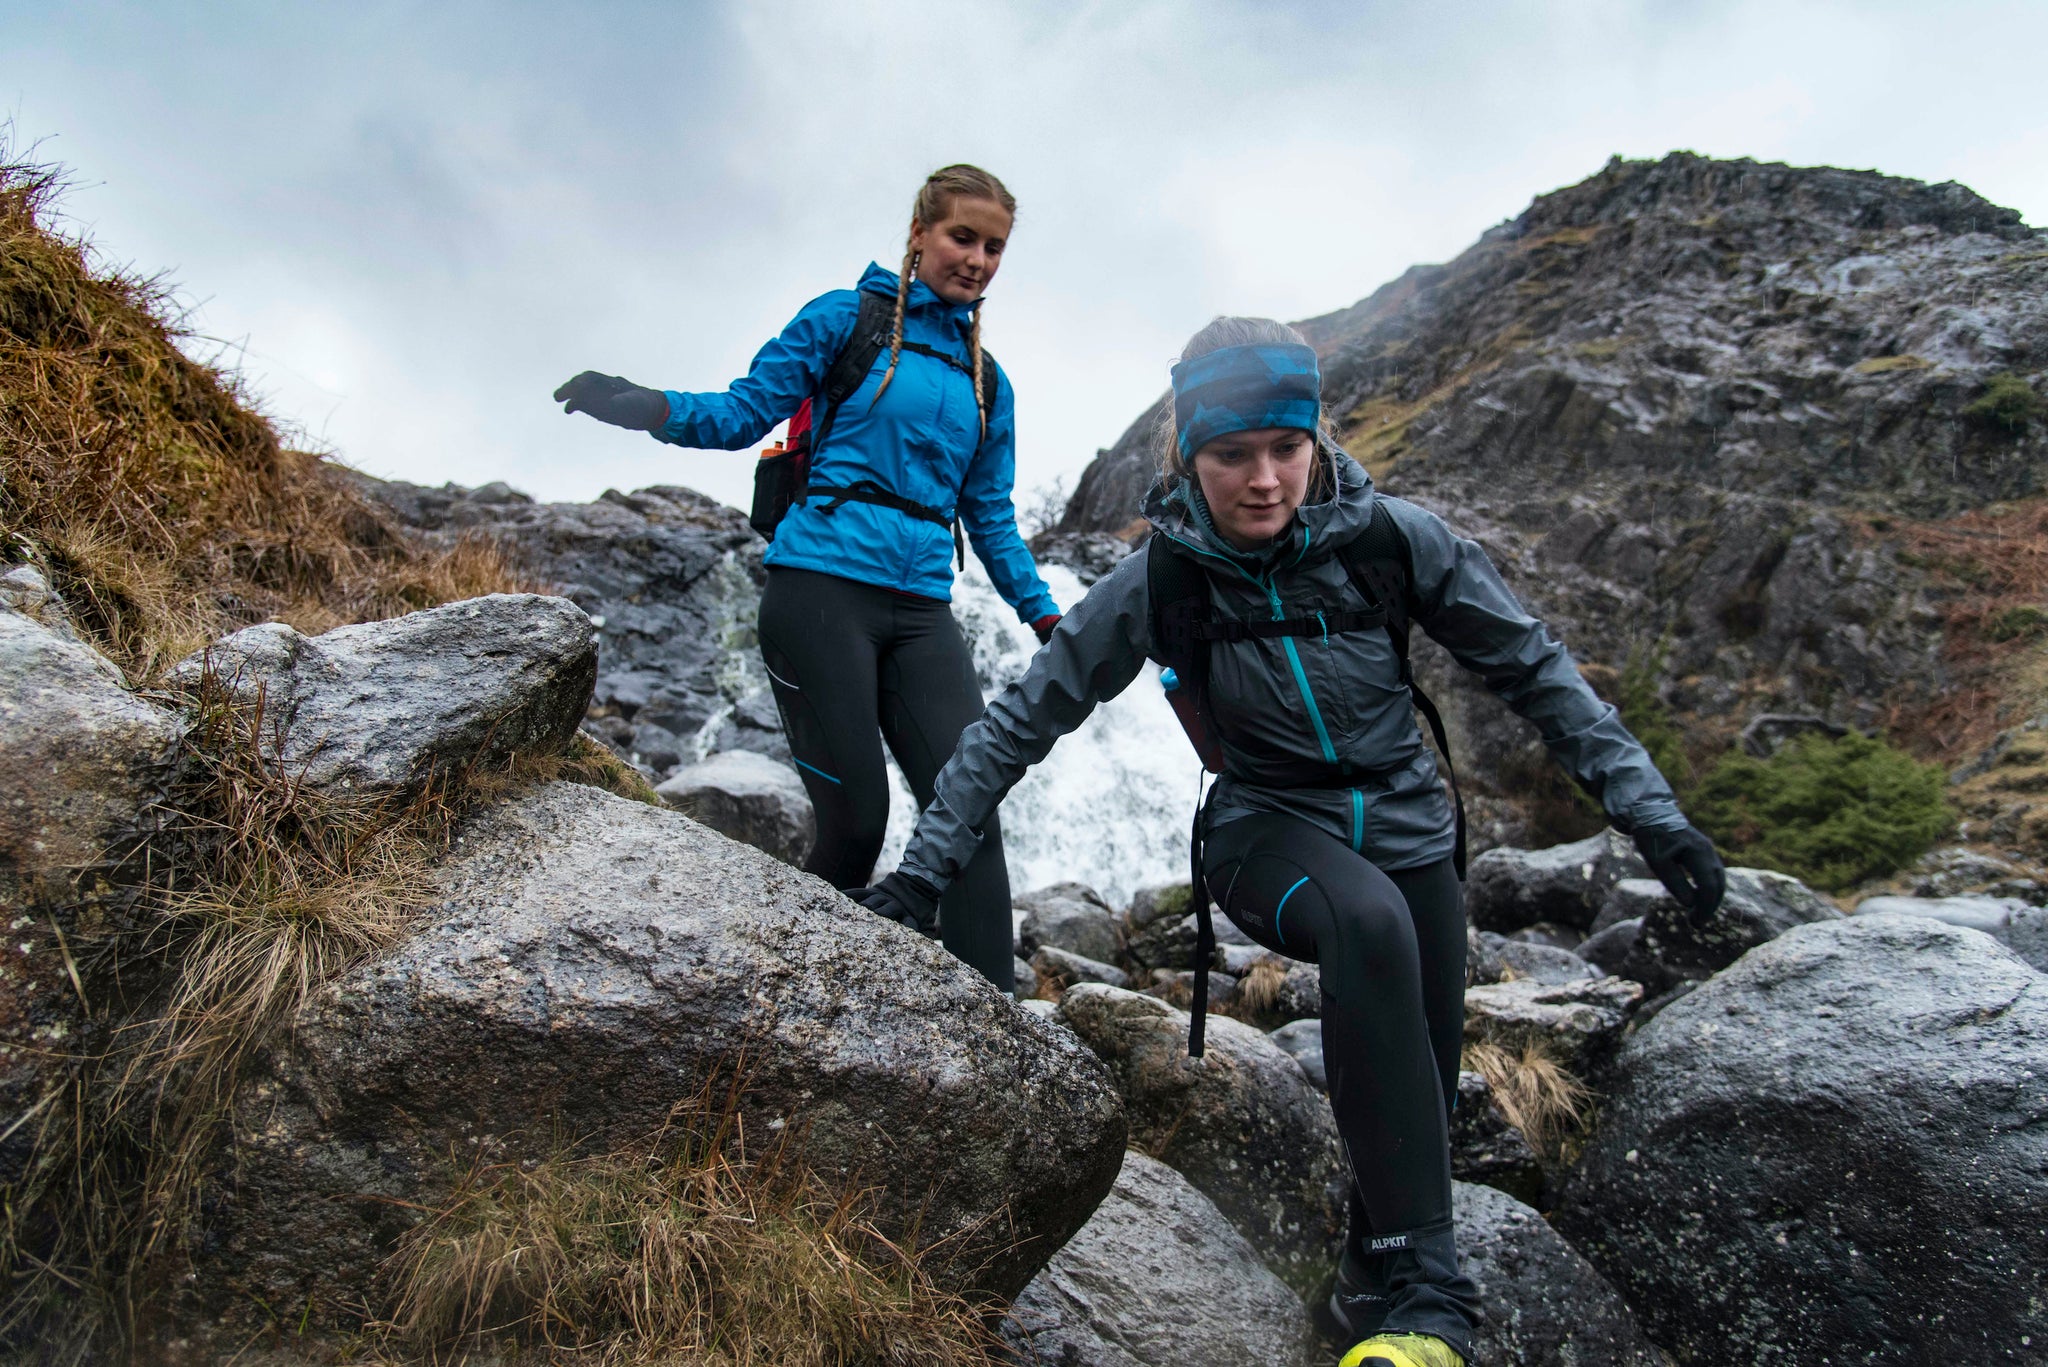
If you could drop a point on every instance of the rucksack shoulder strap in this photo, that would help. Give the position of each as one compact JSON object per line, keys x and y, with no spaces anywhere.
{"x":1178,"y":593}
{"x":870,"y":338}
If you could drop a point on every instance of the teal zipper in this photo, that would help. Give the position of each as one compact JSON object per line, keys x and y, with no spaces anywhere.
{"x":1357,"y":820}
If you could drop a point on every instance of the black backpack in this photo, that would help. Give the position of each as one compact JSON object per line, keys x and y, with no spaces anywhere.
{"x":1185,"y":624}
{"x":782,"y":477}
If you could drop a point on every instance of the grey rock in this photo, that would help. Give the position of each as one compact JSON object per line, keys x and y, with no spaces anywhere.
{"x":1946,"y":872}
{"x":1024,"y":979}
{"x":1544,"y":1304}
{"x":1549,"y":934}
{"x":1631,"y":899}
{"x":1487,"y":1148}
{"x":24,"y":589}
{"x":1578,"y":1024}
{"x":1057,"y":970}
{"x":1509,"y":889}
{"x":1537,"y":962}
{"x":593,"y":962}
{"x":1176,"y":987}
{"x":656,"y":748}
{"x":1483,"y":963}
{"x":1992,"y":915}
{"x":750,"y":797}
{"x":378,"y":706}
{"x":1069,"y":917}
{"x":1608,"y":949}
{"x":2027,"y":936}
{"x":1159,"y":1278}
{"x":1160,"y":932}
{"x":1676,"y":946}
{"x":81,"y":760}
{"x":1769,"y":732}
{"x":1271,"y":990}
{"x":1822,"y":1151}
{"x":1303,"y":1039}
{"x":1242,"y":1123}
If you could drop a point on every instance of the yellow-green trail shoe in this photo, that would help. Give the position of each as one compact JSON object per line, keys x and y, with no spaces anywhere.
{"x":1402,"y":1350}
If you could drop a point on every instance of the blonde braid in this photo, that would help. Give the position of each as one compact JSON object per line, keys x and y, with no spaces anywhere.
{"x":896,"y":329}
{"x":974,"y":340}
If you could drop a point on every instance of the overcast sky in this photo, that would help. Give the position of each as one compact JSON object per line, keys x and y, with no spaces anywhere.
{"x":411,"y":221}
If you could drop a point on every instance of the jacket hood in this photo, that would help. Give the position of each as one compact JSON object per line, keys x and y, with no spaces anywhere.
{"x":1317,"y":530}
{"x":923,"y":299}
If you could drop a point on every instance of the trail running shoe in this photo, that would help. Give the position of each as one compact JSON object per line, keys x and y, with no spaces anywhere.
{"x":1402,"y":1350}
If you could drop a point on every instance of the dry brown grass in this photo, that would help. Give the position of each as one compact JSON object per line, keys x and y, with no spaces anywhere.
{"x":1536,"y":1093}
{"x":683,"y":1250}
{"x":160,"y":501}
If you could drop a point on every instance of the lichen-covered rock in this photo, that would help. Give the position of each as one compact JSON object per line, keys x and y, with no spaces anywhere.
{"x":1509,"y":889}
{"x":1545,"y":1305}
{"x":1578,"y":1024}
{"x":1158,"y":1278}
{"x":1486,"y":1147}
{"x":1067,"y":916}
{"x":80,"y":760}
{"x":591,"y":963}
{"x":377,"y":706}
{"x":1833,"y":1151}
{"x":756,"y":800}
{"x":1242,"y":1123}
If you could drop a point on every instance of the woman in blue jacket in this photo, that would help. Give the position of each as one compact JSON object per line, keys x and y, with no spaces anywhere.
{"x":1327,"y":837}
{"x":854,"y":627}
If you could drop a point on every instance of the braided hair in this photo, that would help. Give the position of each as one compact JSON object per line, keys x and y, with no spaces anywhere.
{"x":934,"y":198}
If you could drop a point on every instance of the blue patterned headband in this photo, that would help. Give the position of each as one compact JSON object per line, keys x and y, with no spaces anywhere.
{"x":1242,"y":388}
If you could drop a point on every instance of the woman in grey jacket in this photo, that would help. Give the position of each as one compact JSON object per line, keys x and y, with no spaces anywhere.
{"x":1327,"y":837}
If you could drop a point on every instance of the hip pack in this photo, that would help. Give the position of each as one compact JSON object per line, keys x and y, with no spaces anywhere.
{"x":1184,"y":626}
{"x":782,"y":475}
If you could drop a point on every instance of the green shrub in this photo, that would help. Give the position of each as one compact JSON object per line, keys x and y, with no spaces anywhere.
{"x":2008,"y":402}
{"x":1833,"y":812}
{"x":2016,"y":623}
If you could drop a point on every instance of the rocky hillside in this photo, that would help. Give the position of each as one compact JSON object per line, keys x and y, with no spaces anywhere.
{"x":1772,"y":433}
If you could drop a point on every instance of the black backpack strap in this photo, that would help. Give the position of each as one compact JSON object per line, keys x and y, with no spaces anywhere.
{"x":869,"y":339}
{"x":1381,"y":569}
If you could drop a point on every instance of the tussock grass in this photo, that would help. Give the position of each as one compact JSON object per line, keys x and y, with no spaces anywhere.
{"x":1258,"y":991}
{"x":150,"y":488}
{"x":681,"y":1251}
{"x":1536,"y":1093}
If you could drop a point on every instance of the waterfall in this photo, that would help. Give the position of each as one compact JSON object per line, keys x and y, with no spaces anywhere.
{"x":1110,"y":806}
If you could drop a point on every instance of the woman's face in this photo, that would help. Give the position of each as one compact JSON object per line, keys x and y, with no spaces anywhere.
{"x":1253,"y":481}
{"x":959,"y":254}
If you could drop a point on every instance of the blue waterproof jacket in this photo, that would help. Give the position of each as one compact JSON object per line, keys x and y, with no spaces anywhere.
{"x":923,"y":440}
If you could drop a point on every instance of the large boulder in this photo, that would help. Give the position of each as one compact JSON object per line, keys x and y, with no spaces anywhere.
{"x":1578,"y":1024}
{"x":1508,"y":889}
{"x":1545,"y":1305}
{"x":1536,"y":962}
{"x":756,"y":800}
{"x":1833,"y":1151}
{"x":80,"y":760}
{"x":1066,"y":916}
{"x":1158,"y":1278}
{"x":377,"y":706}
{"x":590,"y":964}
{"x":1243,"y":1123}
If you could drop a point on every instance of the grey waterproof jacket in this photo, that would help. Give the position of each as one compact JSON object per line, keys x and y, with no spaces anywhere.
{"x":1278,"y":701}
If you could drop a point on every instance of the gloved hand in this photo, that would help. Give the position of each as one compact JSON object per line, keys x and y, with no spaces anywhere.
{"x":616,"y":401}
{"x":905,"y":899}
{"x":1044,"y":625}
{"x":1686,"y":864}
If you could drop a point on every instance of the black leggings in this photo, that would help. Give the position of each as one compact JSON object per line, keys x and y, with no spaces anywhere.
{"x":844,"y":658}
{"x":1391,"y":946}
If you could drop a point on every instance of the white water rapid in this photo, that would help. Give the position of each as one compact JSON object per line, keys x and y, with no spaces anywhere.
{"x":1110,"y":805}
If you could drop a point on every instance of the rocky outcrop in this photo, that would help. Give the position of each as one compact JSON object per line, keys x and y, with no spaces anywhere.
{"x":1545,"y":1305}
{"x":592,"y":963}
{"x":756,"y":800}
{"x":1067,"y":916}
{"x":81,"y":758}
{"x":1158,"y":1278}
{"x":671,"y":578}
{"x":1681,"y":404}
{"x":378,"y":706}
{"x":1242,"y":1123}
{"x":1833,"y":1151}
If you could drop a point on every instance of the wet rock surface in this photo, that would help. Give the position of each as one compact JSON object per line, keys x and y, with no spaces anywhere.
{"x":1545,"y":1305}
{"x":1509,"y":889}
{"x":1159,"y":1278}
{"x":756,"y":800}
{"x":591,"y":963}
{"x":1242,"y":1123}
{"x":1825,"y":1152}
{"x":1677,"y":945}
{"x":378,"y":706}
{"x":1578,"y":1024}
{"x":1067,"y":916}
{"x":1486,"y":1148}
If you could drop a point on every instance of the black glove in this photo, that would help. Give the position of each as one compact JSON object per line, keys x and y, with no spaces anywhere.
{"x":903,"y":898}
{"x":611,"y":399}
{"x":1685,"y":863}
